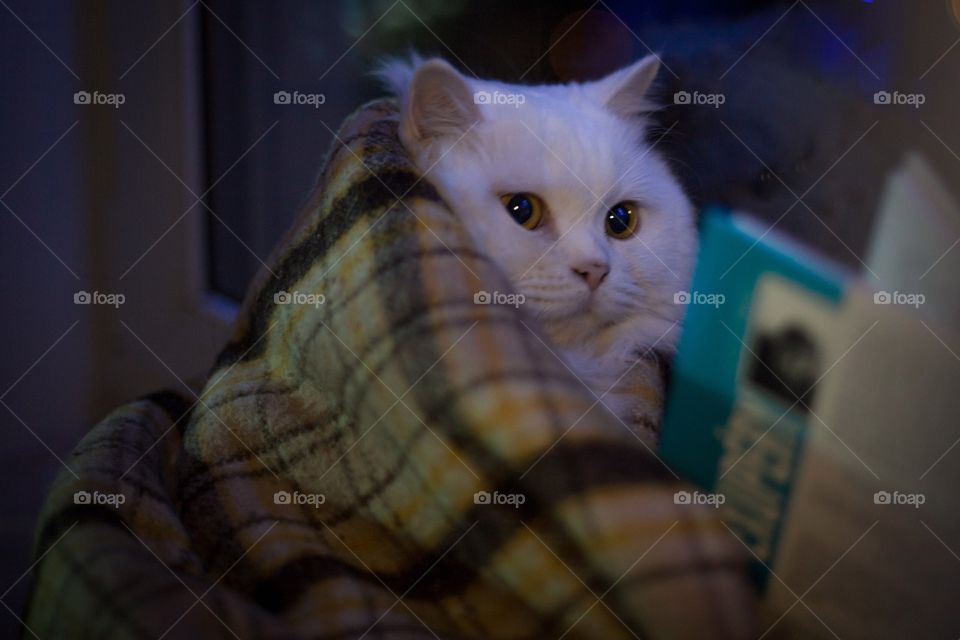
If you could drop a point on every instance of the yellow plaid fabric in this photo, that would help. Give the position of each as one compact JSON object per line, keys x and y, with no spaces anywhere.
{"x":375,"y":455}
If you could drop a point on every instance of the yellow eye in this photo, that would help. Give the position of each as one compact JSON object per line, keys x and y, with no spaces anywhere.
{"x":525,"y":208}
{"x":622,"y":220}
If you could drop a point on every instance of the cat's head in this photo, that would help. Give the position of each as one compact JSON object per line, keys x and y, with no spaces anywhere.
{"x":558,"y":186}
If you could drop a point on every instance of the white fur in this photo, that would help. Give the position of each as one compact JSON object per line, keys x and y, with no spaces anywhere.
{"x":569,"y":145}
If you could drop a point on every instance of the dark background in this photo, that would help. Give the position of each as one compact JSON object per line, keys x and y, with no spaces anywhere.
{"x":96,"y":198}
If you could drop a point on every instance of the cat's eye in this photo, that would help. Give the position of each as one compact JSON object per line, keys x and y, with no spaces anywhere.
{"x":622,"y":220}
{"x":525,"y":208}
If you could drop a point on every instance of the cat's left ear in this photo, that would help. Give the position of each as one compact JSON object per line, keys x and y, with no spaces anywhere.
{"x":625,"y":91}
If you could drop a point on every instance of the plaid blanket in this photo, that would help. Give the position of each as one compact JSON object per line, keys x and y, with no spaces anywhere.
{"x":376,"y":455}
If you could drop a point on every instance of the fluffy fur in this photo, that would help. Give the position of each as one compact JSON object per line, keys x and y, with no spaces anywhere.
{"x":581,"y":149}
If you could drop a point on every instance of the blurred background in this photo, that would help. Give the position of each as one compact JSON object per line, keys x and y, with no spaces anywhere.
{"x":147,"y":157}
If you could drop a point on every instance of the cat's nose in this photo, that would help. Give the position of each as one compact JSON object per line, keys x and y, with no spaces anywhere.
{"x":593,"y":273}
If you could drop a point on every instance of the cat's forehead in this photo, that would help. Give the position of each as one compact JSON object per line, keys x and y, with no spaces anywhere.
{"x":565,"y":142}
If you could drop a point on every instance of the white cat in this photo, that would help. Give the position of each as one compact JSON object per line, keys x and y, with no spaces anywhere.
{"x":558,"y":186}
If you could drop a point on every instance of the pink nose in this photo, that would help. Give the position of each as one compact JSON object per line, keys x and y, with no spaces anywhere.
{"x":593,"y":273}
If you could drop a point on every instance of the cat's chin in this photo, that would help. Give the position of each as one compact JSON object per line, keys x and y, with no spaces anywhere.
{"x":606,"y":337}
{"x":556,"y":312}
{"x":587,"y":314}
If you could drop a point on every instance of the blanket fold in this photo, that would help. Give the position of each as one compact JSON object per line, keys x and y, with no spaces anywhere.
{"x":375,"y":454}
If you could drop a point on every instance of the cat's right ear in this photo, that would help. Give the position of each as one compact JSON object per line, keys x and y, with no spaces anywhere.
{"x":439,"y":103}
{"x":625,"y":92}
